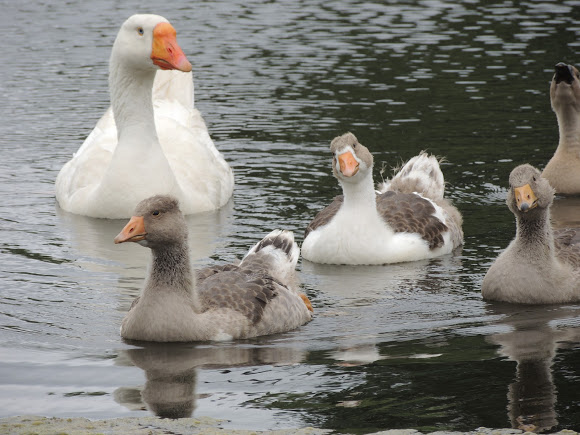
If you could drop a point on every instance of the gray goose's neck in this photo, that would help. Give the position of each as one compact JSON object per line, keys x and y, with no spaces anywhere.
{"x":535,"y":234}
{"x":171,"y":268}
{"x":569,"y":128}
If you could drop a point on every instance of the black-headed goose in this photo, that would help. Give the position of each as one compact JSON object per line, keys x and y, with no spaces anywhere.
{"x":144,"y":146}
{"x":541,"y":265}
{"x":409,"y":220}
{"x":258,"y":296}
{"x":563,"y":169}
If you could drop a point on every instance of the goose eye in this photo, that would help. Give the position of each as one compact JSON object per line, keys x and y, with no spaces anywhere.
{"x":140,"y":30}
{"x":534,"y":178}
{"x":354,"y":145}
{"x":155,"y":213}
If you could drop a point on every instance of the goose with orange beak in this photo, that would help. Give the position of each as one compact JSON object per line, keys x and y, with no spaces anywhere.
{"x":408,"y":220}
{"x":541,"y":265}
{"x":151,"y":141}
{"x":563,"y":169}
{"x":257,"y":296}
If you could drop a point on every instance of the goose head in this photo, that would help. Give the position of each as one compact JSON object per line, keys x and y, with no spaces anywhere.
{"x":148,"y":42}
{"x":157,"y":221}
{"x":529,"y":193}
{"x":351,"y":160}
{"x":565,"y":88}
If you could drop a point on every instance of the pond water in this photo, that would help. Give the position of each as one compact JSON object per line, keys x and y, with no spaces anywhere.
{"x":401,"y":346}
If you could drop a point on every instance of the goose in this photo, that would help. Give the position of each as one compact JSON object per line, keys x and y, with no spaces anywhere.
{"x":563,"y":169}
{"x":540,"y":265}
{"x":142,"y":145}
{"x":258,"y":296}
{"x":407,"y":220}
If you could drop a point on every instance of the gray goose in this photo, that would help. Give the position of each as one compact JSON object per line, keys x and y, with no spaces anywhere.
{"x":408,"y":220}
{"x":256,"y":297}
{"x":540,"y":265}
{"x":563,"y":169}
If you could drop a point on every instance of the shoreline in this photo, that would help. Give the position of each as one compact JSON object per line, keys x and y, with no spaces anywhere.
{"x":32,"y":424}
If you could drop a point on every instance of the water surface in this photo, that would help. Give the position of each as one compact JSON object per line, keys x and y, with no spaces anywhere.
{"x":402,"y":346}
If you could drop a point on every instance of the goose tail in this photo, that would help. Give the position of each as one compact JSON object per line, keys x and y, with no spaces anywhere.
{"x":278,"y":252}
{"x":421,"y":174}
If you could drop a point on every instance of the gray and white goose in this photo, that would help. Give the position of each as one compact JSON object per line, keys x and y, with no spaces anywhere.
{"x":409,"y":219}
{"x":563,"y":169}
{"x":256,"y":297}
{"x":540,"y":265}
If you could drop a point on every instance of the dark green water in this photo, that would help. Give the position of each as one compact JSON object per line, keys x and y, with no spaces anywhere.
{"x":402,"y":346}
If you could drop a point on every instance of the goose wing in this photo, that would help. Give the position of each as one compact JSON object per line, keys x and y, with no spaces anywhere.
{"x":411,"y":213}
{"x":325,"y":215}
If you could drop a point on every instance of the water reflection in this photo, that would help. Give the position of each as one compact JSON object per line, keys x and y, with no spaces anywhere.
{"x":171,"y":372}
{"x":93,"y":238}
{"x":365,"y":284}
{"x":532,"y":343}
{"x":565,"y":212}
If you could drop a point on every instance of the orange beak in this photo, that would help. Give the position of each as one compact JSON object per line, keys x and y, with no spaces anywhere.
{"x":525,"y":198}
{"x":348,"y":164}
{"x":165,"y":52}
{"x":134,"y":231}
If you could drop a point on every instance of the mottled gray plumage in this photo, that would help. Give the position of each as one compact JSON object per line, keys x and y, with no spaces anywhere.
{"x":255,"y":297}
{"x":567,"y":243}
{"x":540,"y":266}
{"x":408,"y":212}
{"x":239,"y":288}
{"x":401,"y":211}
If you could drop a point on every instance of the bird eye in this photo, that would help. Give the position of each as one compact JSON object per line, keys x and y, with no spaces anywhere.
{"x":354,"y":145}
{"x":534,"y":178}
{"x":140,"y":30}
{"x":155,"y":213}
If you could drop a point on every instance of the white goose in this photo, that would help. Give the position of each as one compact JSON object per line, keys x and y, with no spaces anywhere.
{"x":148,"y":147}
{"x":409,"y":220}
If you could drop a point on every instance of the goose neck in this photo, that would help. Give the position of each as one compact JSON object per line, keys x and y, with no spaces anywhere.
{"x":171,"y":268}
{"x":535,"y":235}
{"x":569,"y":129}
{"x":361,"y":194}
{"x":131,"y":99}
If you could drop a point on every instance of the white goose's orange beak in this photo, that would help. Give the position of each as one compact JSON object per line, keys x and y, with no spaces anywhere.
{"x":348,"y":164}
{"x":525,"y":198}
{"x":165,"y":52}
{"x":134,"y":231}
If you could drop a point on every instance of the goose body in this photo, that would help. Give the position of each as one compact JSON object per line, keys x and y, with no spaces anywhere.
{"x":408,"y":220}
{"x":540,"y":266}
{"x":151,"y":140}
{"x":258,"y":296}
{"x":563,"y":169}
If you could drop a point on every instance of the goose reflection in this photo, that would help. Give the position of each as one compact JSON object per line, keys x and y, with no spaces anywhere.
{"x":360,"y":284}
{"x":377,"y":299}
{"x":171,"y":371}
{"x":537,"y":332}
{"x":565,"y":212}
{"x":93,"y":239}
